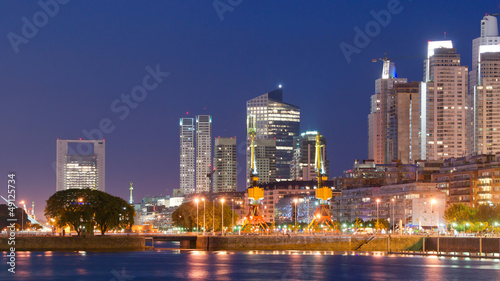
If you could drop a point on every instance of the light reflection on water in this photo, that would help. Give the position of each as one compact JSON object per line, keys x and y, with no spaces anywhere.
{"x":244,"y":265}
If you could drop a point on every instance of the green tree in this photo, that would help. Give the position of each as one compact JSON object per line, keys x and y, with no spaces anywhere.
{"x":459,"y":213}
{"x":485,"y":214}
{"x":185,"y":216}
{"x":84,"y":209}
{"x":358,"y":223}
{"x":112,"y":213}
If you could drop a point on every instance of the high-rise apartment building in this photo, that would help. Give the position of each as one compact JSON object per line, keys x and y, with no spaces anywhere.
{"x":303,"y":166}
{"x":379,"y":146}
{"x":187,"y":156}
{"x":484,"y":95}
{"x":80,"y":164}
{"x":489,"y":37}
{"x":276,"y":120}
{"x":444,"y":103}
{"x":203,"y":152}
{"x":403,"y":129}
{"x":265,"y":160}
{"x":225,"y":165}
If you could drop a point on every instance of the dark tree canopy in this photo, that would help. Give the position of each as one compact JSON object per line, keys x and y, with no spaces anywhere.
{"x":84,"y":209}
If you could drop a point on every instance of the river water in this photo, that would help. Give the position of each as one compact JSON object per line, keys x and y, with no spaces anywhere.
{"x":175,"y":264}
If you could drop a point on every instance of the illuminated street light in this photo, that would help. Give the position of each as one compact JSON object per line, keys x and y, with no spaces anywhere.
{"x":222,"y":215}
{"x":203,"y":199}
{"x":295,"y":201}
{"x":378,"y":201}
{"x":197,"y":221}
{"x":433,"y":201}
{"x":22,"y":216}
{"x":393,"y":216}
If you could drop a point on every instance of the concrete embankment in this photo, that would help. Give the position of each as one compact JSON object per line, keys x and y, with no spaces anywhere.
{"x":74,"y":243}
{"x":314,"y":243}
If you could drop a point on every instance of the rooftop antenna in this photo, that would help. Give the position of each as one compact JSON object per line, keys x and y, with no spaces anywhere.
{"x":445,"y":35}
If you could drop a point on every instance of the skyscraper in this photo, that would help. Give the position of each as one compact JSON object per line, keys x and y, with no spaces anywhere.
{"x":225,"y":165}
{"x":444,"y":103}
{"x":303,"y":166}
{"x":403,"y":129}
{"x":80,"y":164}
{"x":484,"y":95}
{"x":265,"y":160}
{"x":277,"y":120}
{"x":379,"y":147}
{"x":203,"y":152}
{"x":187,"y":152}
{"x":489,"y":37}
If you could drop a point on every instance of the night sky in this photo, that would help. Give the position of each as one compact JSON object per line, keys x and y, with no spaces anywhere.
{"x":64,"y":79}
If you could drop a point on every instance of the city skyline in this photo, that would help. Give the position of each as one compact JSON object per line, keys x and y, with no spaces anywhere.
{"x":61,"y":84}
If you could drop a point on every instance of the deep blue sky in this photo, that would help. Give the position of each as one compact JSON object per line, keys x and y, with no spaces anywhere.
{"x":65,"y":78}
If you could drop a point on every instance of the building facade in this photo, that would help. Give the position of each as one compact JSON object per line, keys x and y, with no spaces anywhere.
{"x":379,"y":146}
{"x":302,"y":167}
{"x":485,"y":109}
{"x":80,"y":164}
{"x":470,"y":180}
{"x":444,"y":103}
{"x":187,"y":156}
{"x":265,"y":160}
{"x":225,"y":165}
{"x":203,"y":152}
{"x":403,"y":129}
{"x":276,"y":120}
{"x":413,"y":204}
{"x":367,"y":173}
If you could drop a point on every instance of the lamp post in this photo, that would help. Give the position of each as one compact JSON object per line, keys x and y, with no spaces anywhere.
{"x":213,"y":216}
{"x":22,"y":215}
{"x":433,"y":201}
{"x":232,"y":215}
{"x":203,"y":199}
{"x":197,"y":221}
{"x":393,"y":215}
{"x":295,"y":201}
{"x":377,"y":223}
{"x":222,"y":215}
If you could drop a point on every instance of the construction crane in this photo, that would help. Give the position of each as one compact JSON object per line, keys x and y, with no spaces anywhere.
{"x":254,"y":218}
{"x":323,"y":193}
{"x":389,"y":70}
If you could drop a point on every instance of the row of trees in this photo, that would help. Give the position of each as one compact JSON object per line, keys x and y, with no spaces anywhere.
{"x":185,"y":216}
{"x":475,"y":219}
{"x":85,"y":209}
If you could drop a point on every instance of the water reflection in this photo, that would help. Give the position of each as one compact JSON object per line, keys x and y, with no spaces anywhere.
{"x":257,"y":265}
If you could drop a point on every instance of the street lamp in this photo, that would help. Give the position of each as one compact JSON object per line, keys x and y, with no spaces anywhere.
{"x":197,"y":222}
{"x":295,"y":201}
{"x":213,"y":216}
{"x":22,"y":215}
{"x":433,"y":201}
{"x":393,"y":216}
{"x":222,"y":215}
{"x":378,"y":201}
{"x":203,"y":199}
{"x":232,"y":215}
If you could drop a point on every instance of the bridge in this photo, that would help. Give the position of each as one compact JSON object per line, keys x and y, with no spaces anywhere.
{"x":186,"y":241}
